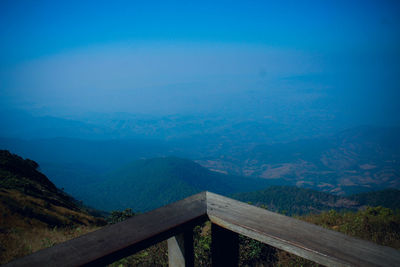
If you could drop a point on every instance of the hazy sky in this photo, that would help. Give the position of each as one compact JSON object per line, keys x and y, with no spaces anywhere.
{"x":337,"y":58}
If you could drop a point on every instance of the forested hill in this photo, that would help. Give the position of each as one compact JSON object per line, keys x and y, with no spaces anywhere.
{"x":151,"y":183}
{"x":388,"y":198}
{"x":297,"y":201}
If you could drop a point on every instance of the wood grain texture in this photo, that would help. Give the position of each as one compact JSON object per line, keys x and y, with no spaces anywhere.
{"x":309,"y":241}
{"x":116,"y":241}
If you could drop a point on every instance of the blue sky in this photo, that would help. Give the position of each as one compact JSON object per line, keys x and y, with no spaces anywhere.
{"x":339,"y":58}
{"x":36,"y":28}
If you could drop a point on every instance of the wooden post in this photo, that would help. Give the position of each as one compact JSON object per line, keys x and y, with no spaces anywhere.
{"x":180,"y":250}
{"x":224,"y":247}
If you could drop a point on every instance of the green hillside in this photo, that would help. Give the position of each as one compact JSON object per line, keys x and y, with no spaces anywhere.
{"x":21,"y":175}
{"x":26,"y":192}
{"x":297,"y":201}
{"x":34,"y":213}
{"x":294,"y":200}
{"x":151,"y":183}
{"x":388,"y":198}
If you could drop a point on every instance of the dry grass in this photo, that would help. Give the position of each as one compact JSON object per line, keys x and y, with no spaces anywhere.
{"x":28,"y":224}
{"x":18,"y":242}
{"x":21,"y":210}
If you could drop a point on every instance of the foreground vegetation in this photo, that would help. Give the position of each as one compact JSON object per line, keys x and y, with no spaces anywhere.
{"x":376,"y":224}
{"x":34,"y":214}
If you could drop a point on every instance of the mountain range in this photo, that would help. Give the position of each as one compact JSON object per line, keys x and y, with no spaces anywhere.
{"x":147,"y":184}
{"x":355,"y":160}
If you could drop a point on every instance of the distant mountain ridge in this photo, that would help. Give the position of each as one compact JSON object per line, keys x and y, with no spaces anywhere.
{"x":97,"y":126}
{"x":356,"y":160}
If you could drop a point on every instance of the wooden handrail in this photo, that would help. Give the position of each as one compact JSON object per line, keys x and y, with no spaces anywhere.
{"x":122,"y":239}
{"x":326,"y":247}
{"x":309,"y":241}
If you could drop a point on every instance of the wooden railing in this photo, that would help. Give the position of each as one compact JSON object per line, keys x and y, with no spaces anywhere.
{"x":229,"y":218}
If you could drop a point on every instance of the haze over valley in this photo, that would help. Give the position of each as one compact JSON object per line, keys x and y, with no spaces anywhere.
{"x":88,"y":159}
{"x":249,"y":96}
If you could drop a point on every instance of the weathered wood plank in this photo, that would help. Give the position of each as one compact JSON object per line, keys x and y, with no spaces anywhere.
{"x":224,"y":247}
{"x":180,"y":250}
{"x":122,"y":239}
{"x":300,"y":238}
